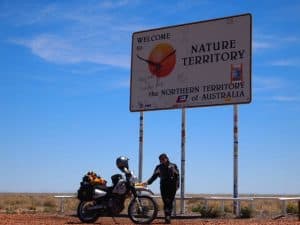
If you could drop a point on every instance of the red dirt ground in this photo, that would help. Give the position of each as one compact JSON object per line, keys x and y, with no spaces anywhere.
{"x":48,"y":219}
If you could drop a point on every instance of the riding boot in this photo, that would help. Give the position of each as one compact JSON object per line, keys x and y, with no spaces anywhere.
{"x":167,"y":217}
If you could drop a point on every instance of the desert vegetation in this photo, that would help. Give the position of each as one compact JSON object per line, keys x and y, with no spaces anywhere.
{"x":12,"y":203}
{"x":33,"y":203}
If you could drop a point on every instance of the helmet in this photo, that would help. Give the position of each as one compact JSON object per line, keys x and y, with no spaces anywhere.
{"x":122,"y":162}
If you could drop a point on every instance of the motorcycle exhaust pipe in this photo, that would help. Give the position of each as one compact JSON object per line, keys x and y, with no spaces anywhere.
{"x":96,"y":208}
{"x":98,"y":193}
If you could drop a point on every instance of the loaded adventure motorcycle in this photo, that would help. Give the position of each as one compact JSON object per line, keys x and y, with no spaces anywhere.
{"x":97,"y":199}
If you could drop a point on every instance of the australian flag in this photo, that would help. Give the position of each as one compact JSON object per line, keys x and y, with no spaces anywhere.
{"x":182,"y":98}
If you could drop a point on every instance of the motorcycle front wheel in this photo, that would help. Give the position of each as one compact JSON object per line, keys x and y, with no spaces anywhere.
{"x":142,"y":209}
{"x":84,"y":214}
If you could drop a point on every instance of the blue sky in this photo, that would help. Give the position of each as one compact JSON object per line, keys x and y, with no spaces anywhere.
{"x":64,"y":98}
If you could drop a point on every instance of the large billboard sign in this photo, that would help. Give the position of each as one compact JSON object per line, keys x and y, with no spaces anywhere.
{"x":192,"y":65}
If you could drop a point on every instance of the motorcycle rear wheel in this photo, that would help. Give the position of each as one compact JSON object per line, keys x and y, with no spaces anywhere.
{"x":144,"y":214}
{"x":84,"y":214}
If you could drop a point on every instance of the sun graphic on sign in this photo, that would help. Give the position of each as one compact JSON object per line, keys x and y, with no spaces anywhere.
{"x":161,"y":60}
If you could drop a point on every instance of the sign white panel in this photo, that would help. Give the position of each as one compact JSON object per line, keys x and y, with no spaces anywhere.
{"x":192,"y":65}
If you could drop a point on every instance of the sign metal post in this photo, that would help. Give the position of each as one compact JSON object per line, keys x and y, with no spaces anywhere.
{"x":141,"y":144}
{"x":182,"y":181}
{"x":235,"y":160}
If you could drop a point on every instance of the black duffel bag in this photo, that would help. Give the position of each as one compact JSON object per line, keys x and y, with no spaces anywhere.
{"x":85,"y":192}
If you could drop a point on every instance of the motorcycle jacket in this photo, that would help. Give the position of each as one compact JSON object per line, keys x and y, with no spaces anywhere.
{"x":168,"y":174}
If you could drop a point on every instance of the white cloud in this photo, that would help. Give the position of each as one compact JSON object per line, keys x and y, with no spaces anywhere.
{"x":291,"y":39}
{"x":51,"y":48}
{"x":113,"y":4}
{"x":268,"y":83}
{"x":264,"y":42}
{"x":270,"y":89}
{"x":120,"y":84}
{"x":286,"y":98}
{"x":57,"y":50}
{"x":91,"y":32}
{"x":258,"y":45}
{"x":286,"y":62}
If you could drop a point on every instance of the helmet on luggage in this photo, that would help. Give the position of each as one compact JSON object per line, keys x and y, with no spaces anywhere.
{"x":122,"y":162}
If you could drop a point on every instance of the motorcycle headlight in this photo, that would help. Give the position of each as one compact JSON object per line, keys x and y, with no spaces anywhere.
{"x":133,"y":179}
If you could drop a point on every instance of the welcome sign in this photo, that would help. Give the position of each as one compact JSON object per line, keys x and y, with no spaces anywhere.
{"x":192,"y":65}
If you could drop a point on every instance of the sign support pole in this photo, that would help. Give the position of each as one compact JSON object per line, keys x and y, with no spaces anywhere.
{"x":141,"y":143}
{"x":182,"y":187}
{"x":235,"y":160}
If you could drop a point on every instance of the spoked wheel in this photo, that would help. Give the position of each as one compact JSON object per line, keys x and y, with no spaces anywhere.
{"x":142,"y":209}
{"x":86,"y":215}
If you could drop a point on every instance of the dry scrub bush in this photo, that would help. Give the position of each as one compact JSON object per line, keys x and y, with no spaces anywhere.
{"x":292,"y":208}
{"x":207,"y":212}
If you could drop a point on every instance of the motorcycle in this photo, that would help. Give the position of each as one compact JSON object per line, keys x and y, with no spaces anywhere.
{"x":100,"y":200}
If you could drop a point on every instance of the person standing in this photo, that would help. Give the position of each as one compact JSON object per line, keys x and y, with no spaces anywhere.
{"x":169,"y":183}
